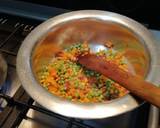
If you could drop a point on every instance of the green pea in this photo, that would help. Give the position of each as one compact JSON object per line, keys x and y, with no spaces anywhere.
{"x":89,"y":96}
{"x":107,"y":93}
{"x":69,"y":97}
{"x":116,"y":91}
{"x":97,"y":75}
{"x":122,"y":62}
{"x":81,"y":85}
{"x":108,"y":83}
{"x":77,"y":95}
{"x":101,"y":97}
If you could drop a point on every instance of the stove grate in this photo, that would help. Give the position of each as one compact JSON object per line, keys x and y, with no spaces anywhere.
{"x":17,"y":106}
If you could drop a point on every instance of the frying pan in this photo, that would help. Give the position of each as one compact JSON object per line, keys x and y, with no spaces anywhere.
{"x":95,"y":27}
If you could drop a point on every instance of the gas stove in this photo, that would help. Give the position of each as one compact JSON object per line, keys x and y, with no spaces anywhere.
{"x":18,"y":109}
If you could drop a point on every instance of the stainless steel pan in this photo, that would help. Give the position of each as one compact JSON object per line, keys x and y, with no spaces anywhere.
{"x":94,"y":26}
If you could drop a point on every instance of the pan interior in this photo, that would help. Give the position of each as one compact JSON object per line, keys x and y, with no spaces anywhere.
{"x":96,"y":33}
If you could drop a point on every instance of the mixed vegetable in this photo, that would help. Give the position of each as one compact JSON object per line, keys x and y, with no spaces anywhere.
{"x":66,"y":78}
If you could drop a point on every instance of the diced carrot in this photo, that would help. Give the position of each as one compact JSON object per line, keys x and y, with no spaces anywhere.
{"x":69,"y":90}
{"x":53,"y":72}
{"x":69,"y":71}
{"x":52,"y":88}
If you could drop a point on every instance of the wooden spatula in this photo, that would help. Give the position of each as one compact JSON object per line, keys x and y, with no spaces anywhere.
{"x":134,"y":83}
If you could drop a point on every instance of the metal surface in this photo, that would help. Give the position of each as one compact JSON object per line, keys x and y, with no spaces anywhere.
{"x":3,"y":70}
{"x":64,"y":107}
{"x":154,"y":116}
{"x":36,"y":119}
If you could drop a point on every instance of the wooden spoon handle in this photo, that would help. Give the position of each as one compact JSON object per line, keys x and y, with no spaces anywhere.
{"x":133,"y":83}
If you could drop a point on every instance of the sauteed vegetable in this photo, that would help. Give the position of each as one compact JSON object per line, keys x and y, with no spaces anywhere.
{"x":66,"y":78}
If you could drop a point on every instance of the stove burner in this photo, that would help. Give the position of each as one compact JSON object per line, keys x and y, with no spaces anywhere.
{"x":5,"y":89}
{"x":3,"y":70}
{"x":3,"y":83}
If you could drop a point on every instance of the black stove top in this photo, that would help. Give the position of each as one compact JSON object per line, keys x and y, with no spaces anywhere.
{"x":18,"y":110}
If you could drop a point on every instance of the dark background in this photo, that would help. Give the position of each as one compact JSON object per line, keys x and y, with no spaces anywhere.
{"x":144,"y":11}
